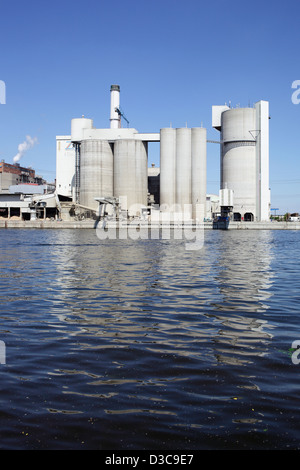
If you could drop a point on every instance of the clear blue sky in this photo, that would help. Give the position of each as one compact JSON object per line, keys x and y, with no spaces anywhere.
{"x":172,"y":59}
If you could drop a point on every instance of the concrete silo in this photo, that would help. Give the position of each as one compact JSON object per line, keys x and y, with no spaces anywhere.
{"x":183,"y":189}
{"x":198,"y":172}
{"x":244,"y":158}
{"x":238,"y":160}
{"x":167,"y":168}
{"x":131,"y":175}
{"x":96,"y":171}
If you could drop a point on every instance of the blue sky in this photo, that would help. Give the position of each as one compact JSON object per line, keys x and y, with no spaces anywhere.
{"x":172,"y":59}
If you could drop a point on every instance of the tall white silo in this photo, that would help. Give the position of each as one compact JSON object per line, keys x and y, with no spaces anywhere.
{"x":131,"y":174}
{"x":96,"y":171}
{"x":198,"y":172}
{"x":167,"y":168}
{"x":238,"y":160}
{"x":183,"y":178}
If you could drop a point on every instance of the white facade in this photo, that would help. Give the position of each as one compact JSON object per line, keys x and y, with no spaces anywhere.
{"x":216,"y":115}
{"x":65,"y":166}
{"x":262,"y":156}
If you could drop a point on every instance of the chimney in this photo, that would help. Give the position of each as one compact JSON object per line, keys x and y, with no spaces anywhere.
{"x":115,"y":116}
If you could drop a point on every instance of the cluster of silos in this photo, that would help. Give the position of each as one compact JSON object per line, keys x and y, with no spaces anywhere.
{"x":107,"y":167}
{"x":238,"y":159}
{"x":183,"y":172}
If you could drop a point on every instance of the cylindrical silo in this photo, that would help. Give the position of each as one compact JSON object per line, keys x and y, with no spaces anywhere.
{"x":96,"y":171}
{"x":131,"y":175}
{"x":77,"y":128}
{"x":238,"y":160}
{"x":183,"y":188}
{"x":198,"y":172}
{"x":167,"y":168}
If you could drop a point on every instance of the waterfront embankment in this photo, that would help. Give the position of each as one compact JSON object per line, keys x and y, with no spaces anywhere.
{"x":92,"y":224}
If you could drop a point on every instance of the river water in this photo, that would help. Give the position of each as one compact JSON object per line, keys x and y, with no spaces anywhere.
{"x":123,"y":344}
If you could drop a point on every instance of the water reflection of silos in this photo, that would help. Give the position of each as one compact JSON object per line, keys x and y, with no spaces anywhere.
{"x":130,"y":174}
{"x":244,"y":290}
{"x":244,"y":286}
{"x":96,"y":171}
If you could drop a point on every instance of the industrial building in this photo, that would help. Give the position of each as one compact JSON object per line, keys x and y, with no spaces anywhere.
{"x":111,"y":165}
{"x":99,"y":170}
{"x":104,"y":165}
{"x":24,"y":195}
{"x":105,"y":172}
{"x":15,"y":174}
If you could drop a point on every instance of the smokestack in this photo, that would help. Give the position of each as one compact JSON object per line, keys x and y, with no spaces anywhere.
{"x":115,"y":117}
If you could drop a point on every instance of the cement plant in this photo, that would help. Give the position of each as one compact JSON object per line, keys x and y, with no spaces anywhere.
{"x":105,"y":174}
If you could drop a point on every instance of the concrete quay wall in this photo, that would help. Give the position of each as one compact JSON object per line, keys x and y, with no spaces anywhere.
{"x":91,"y":224}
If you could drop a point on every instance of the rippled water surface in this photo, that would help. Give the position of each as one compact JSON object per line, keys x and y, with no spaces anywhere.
{"x":122,"y":344}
